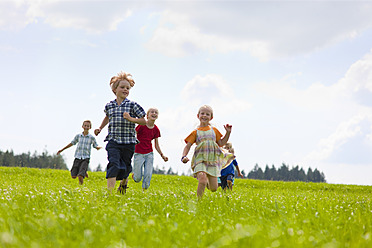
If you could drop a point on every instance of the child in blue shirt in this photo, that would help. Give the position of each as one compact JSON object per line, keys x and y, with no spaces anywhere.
{"x":84,"y":142}
{"x":228,"y":173}
{"x":121,"y":114}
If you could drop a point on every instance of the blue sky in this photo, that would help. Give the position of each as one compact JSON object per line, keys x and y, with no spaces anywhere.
{"x":294,"y":78}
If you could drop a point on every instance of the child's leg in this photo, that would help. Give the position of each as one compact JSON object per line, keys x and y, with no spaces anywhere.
{"x":126,"y":155}
{"x":111,"y":183}
{"x":83,"y":168}
{"x":203,"y":180}
{"x":75,"y":168}
{"x":138,"y":161}
{"x":230,"y":179}
{"x":148,"y":166}
{"x":81,"y":180}
{"x":213,"y":183}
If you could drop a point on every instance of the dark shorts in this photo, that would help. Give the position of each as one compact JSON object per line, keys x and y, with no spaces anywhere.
{"x":120,"y":158}
{"x":226,"y":178}
{"x":80,"y":167}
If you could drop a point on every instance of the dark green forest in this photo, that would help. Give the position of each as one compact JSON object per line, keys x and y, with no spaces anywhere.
{"x":35,"y":160}
{"x":285,"y":174}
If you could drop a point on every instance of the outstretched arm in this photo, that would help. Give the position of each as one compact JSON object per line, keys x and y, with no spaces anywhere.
{"x":64,"y":148}
{"x":157,"y":147}
{"x":103,"y":124}
{"x":186,"y":150}
{"x":225,"y":138}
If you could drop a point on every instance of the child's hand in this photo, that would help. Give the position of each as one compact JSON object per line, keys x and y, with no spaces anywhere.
{"x":228,"y":127}
{"x":126,"y":116}
{"x":164,"y":158}
{"x":97,"y":131}
{"x":184,"y":159}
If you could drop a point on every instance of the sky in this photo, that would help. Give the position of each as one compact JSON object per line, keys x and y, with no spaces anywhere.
{"x":293,"y":78}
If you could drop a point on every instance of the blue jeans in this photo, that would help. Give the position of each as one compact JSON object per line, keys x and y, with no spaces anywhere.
{"x":142,"y":167}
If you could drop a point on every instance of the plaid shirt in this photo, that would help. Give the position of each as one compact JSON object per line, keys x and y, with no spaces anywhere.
{"x":121,"y":130}
{"x":84,"y":145}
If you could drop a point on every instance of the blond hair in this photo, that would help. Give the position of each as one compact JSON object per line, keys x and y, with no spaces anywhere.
{"x":206,"y":107}
{"x":115,"y":80}
{"x":228,"y":146}
{"x":148,"y":111}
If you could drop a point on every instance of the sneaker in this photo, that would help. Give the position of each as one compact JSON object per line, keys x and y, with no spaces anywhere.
{"x":86,"y":174}
{"x":122,"y":189}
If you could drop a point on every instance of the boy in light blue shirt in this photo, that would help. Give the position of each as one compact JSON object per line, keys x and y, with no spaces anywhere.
{"x":84,"y":142}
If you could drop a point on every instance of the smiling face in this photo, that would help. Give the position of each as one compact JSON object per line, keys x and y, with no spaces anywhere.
{"x":122,"y":91}
{"x":86,"y":125}
{"x":152,"y":114}
{"x":205,"y":115}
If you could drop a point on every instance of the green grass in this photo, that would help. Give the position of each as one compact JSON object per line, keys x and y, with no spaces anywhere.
{"x":46,"y":208}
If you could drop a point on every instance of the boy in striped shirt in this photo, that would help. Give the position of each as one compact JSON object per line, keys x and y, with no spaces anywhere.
{"x":84,"y":142}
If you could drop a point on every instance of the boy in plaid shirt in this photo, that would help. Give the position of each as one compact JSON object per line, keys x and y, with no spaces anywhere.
{"x":85,"y":142}
{"x":121,"y":114}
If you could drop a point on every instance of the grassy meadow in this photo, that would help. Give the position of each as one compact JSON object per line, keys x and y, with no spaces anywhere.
{"x":46,"y":208}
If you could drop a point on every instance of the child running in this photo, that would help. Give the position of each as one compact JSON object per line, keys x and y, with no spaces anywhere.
{"x":121,"y":114}
{"x":84,"y":142}
{"x":208,"y":157}
{"x":143,"y":155}
{"x":228,"y":173}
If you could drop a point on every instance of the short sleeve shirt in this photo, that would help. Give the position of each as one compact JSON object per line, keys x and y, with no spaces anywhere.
{"x":84,"y":145}
{"x":145,"y":135}
{"x":230,"y":169}
{"x":192,"y":137}
{"x":121,"y":130}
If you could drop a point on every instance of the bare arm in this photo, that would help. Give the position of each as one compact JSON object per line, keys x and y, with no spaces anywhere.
{"x":238,"y":170}
{"x":225,"y":138}
{"x":103,"y":124}
{"x":139,"y":121}
{"x":64,"y":148}
{"x":186,"y":150}
{"x":157,"y":147}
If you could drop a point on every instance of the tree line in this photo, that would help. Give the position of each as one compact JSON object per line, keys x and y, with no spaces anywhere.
{"x":285,"y":174}
{"x":43,"y":160}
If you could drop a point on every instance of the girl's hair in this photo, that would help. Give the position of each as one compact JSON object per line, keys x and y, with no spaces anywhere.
{"x":206,"y":107}
{"x":88,"y":121}
{"x":148,"y":111}
{"x":114,"y":82}
{"x":228,"y":146}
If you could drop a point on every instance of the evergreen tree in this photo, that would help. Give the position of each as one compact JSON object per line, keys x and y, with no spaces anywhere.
{"x":310,"y":176}
{"x":302,"y":176}
{"x":283,"y":173}
{"x":99,"y":168}
{"x":286,"y":174}
{"x":267,"y":173}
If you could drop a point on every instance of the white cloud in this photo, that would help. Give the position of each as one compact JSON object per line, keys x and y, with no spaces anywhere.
{"x":13,"y":15}
{"x":337,"y":109}
{"x":264,"y":29}
{"x":176,"y":36}
{"x":91,"y":16}
{"x":344,"y":132}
